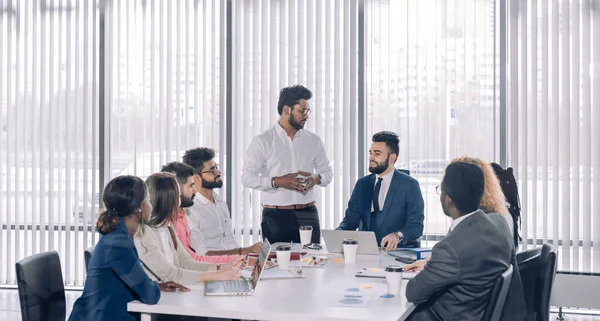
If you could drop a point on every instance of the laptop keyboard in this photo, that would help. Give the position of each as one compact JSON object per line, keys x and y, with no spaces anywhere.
{"x":236,"y":286}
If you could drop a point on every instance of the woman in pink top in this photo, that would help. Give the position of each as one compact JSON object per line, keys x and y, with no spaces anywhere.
{"x":182,"y":229}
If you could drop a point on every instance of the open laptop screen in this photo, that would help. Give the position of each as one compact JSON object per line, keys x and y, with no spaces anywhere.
{"x":260,"y":263}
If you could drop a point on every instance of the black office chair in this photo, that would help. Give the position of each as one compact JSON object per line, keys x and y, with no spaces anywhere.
{"x":41,"y":288}
{"x":538,"y":268}
{"x":546,"y":281}
{"x":498,"y":294}
{"x":87,"y":255}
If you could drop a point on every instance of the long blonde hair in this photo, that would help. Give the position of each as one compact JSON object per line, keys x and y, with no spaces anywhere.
{"x":493,"y":197}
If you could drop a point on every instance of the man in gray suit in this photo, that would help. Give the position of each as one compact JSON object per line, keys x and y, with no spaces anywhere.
{"x":455,"y":283}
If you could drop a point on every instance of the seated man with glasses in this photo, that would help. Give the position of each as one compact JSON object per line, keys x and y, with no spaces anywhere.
{"x":208,"y":218}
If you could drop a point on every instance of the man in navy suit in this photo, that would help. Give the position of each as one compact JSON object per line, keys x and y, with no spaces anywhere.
{"x":387,"y":202}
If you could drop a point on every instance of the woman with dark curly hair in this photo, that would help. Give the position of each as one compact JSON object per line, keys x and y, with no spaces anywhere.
{"x":115,"y":275}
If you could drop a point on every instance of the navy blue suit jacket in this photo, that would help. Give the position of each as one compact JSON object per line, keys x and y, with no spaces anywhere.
{"x":114,"y":278}
{"x":402,"y":211}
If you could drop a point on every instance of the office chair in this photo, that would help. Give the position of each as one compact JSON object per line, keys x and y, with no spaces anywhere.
{"x":538,"y":268}
{"x":41,"y":288}
{"x":546,"y":276}
{"x":405,"y":171}
{"x":87,"y":255}
{"x":498,"y":294}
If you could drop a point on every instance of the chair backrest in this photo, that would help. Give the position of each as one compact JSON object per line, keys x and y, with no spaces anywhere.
{"x":405,"y":171}
{"x":529,"y":262}
{"x":41,"y":288}
{"x":538,"y":269}
{"x":87,"y":255}
{"x":546,"y":275}
{"x":498,"y":295}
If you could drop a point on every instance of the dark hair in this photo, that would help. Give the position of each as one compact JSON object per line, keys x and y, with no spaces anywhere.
{"x":182,"y":171}
{"x":290,"y":96}
{"x":164,"y":193}
{"x":196,"y":157}
{"x":390,"y":139}
{"x":122,"y":196}
{"x":464,"y":183}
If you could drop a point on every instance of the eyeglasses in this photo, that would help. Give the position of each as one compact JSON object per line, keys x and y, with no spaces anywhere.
{"x":438,"y":189}
{"x":212,"y":169}
{"x":305,"y":112}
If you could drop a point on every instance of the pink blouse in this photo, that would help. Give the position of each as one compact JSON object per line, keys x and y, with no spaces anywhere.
{"x":182,"y":230}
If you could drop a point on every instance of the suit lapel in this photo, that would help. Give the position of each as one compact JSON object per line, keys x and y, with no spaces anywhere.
{"x":389,"y":198}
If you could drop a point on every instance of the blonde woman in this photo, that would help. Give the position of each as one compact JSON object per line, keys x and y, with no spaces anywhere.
{"x":163,"y":256}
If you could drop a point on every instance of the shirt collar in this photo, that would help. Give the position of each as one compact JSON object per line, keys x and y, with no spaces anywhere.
{"x":387,"y":176}
{"x":205,"y":201}
{"x":123,"y":228}
{"x":283,"y":133}
{"x":457,"y":221}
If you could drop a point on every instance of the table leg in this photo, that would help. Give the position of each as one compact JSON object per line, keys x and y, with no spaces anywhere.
{"x":146,"y":317}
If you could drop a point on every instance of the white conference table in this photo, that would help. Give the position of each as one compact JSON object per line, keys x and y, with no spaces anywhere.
{"x":310,"y":298}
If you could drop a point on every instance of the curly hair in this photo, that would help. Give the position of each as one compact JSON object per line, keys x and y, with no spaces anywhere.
{"x":196,"y":157}
{"x":493,"y":197}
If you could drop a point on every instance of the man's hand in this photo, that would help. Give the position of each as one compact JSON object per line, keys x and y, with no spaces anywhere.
{"x":311,"y":179}
{"x":390,"y":242}
{"x":416,"y":267}
{"x":255,"y":248}
{"x":290,"y":181}
{"x":172,"y":287}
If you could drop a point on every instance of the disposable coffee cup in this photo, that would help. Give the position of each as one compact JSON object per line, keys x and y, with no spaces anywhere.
{"x":284,"y":253}
{"x":305,"y":234}
{"x":350,"y":247}
{"x":393,"y":276}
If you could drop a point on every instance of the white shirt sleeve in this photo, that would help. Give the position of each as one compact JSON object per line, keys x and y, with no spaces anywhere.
{"x":253,"y":168}
{"x":322,"y":165}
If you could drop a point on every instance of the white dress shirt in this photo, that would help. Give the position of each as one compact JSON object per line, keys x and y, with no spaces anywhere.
{"x":273,"y":154}
{"x":385,"y":187}
{"x":166,"y":243}
{"x":457,"y":221}
{"x":210,"y":225}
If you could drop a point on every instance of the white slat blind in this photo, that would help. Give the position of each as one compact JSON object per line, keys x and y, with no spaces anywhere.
{"x":282,"y":43}
{"x":554,"y":98}
{"x":48,"y":131}
{"x":431,"y":77}
{"x":165,"y":76}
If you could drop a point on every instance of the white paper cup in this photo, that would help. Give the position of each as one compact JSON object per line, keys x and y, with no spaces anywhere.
{"x":350,"y":247}
{"x":305,"y":234}
{"x":393,"y":276}
{"x":283,"y":259}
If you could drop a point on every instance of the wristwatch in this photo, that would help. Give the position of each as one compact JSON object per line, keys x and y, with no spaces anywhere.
{"x":400,"y":235}
{"x":273,"y":183}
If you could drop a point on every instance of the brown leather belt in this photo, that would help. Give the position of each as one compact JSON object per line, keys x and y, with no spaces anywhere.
{"x":291,"y":207}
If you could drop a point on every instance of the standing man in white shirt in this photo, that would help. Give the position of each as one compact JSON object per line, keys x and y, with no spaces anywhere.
{"x":209,"y":219}
{"x":285,"y":162}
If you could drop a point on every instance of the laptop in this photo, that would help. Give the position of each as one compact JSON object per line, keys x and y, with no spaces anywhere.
{"x":367,"y":242}
{"x":242,"y":286}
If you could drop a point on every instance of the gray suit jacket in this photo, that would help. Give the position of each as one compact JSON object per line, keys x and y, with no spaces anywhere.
{"x":456,"y":282}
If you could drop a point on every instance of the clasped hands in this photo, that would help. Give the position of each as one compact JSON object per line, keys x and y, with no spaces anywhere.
{"x":300,"y":181}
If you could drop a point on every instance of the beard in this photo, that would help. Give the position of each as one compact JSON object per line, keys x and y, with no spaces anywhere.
{"x":298,"y":125}
{"x":212,"y":185}
{"x":187,"y":202}
{"x":380,"y":168}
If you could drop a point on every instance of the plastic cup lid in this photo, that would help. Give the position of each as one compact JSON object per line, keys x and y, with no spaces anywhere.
{"x":350,"y":241}
{"x":393,"y":268}
{"x":283,"y":248}
{"x":306,"y":227}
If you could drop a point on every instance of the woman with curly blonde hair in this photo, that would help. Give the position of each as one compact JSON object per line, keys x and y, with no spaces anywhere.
{"x":493,"y":200}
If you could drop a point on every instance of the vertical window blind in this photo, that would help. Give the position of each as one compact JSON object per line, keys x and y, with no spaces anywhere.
{"x":553,"y":108}
{"x":165,"y":79}
{"x":431,"y":71}
{"x":281,"y":43}
{"x":431,"y":77}
{"x":48,"y":131}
